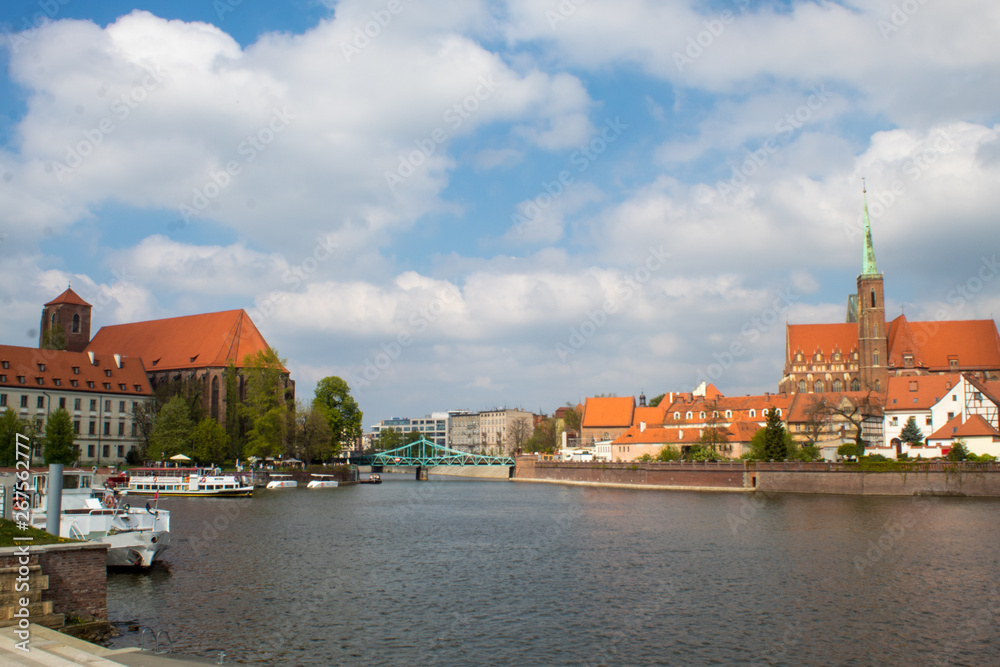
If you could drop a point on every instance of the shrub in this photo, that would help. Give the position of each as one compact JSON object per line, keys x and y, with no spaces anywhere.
{"x":847,"y":450}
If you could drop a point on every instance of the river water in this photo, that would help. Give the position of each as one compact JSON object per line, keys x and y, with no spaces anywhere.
{"x":473,"y":572}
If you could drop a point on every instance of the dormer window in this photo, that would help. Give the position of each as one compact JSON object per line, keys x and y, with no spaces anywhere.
{"x":753,"y":413}
{"x":908,"y":360}
{"x":76,"y":370}
{"x":74,"y":383}
{"x":121,"y":386}
{"x":41,"y":367}
{"x":6,"y":364}
{"x":40,"y":381}
{"x":20,"y":379}
{"x":90,"y":384}
{"x":57,"y":382}
{"x":107,"y":385}
{"x":107,"y":372}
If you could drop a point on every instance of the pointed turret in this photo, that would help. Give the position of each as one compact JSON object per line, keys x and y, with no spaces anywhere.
{"x":868,"y":267}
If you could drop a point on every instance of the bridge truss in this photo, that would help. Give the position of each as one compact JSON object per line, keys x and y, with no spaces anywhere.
{"x":425,"y":453}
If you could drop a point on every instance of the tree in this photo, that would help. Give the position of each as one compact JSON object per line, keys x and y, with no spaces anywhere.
{"x":519,"y":429}
{"x":655,"y":401}
{"x":818,"y":414}
{"x":54,"y":339}
{"x":911,"y":432}
{"x":847,"y":450}
{"x":144,"y":417}
{"x":571,"y":419}
{"x":388,"y":438}
{"x":265,"y":408}
{"x":668,"y":453}
{"x":211,"y":442}
{"x":59,"y":436}
{"x":314,"y":444}
{"x":958,"y":452}
{"x":715,"y":435}
{"x":10,"y":427}
{"x":855,"y":413}
{"x":545,"y":439}
{"x":775,"y":446}
{"x":343,"y":415}
{"x":172,"y":430}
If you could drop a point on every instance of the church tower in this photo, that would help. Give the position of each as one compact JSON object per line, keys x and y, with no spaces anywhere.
{"x":873,"y":336}
{"x":65,"y":323}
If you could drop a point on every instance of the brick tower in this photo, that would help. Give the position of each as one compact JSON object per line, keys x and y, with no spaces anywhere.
{"x":873,"y":336}
{"x":65,"y":323}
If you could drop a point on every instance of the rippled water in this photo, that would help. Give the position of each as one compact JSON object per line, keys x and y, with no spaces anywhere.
{"x":461,"y":572}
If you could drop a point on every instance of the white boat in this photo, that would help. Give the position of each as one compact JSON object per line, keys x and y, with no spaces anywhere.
{"x":186,"y":482}
{"x":323,"y":482}
{"x":281,"y":481}
{"x":135,"y":537}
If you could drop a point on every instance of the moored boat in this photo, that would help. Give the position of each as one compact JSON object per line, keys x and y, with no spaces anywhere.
{"x":323,"y":482}
{"x":281,"y":481}
{"x":199,"y":482}
{"x":373,"y":478}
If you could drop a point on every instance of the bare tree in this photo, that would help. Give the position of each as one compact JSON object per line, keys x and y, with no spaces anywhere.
{"x":519,"y":429}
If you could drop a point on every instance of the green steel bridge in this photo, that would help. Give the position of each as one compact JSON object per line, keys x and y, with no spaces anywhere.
{"x":425,"y":454}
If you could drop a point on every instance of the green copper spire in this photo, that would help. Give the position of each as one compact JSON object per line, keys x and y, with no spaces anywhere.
{"x":868,"y":267}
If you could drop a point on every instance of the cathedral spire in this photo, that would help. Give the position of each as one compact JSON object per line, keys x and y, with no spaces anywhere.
{"x":868,"y":267}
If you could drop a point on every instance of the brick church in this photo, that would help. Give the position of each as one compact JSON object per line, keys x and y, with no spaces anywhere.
{"x":863,"y":352}
{"x":192,"y":350}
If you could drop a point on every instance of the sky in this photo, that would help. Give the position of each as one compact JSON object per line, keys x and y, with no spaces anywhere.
{"x":520,"y":203}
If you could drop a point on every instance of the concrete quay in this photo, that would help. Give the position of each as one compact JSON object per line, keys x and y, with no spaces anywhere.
{"x":49,"y":648}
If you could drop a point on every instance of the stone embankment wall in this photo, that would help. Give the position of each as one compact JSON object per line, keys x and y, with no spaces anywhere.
{"x":940,"y":479}
{"x":732,"y":476}
{"x":76,"y":576}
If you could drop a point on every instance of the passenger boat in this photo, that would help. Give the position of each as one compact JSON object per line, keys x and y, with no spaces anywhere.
{"x":323,"y":482}
{"x":207,"y":482}
{"x":373,"y":478}
{"x":135,"y":537}
{"x":281,"y":481}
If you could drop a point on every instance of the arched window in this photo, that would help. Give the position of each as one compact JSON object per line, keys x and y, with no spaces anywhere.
{"x":818,"y":387}
{"x":875,"y":358}
{"x":873,"y":298}
{"x":753,"y":413}
{"x":677,"y":415}
{"x":701,"y":415}
{"x":52,"y":320}
{"x":76,"y":323}
{"x":838,"y":385}
{"x":803,"y":386}
{"x":855,"y":385}
{"x":729,"y":414}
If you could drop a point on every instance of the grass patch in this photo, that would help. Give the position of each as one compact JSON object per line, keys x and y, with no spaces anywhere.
{"x":9,"y":530}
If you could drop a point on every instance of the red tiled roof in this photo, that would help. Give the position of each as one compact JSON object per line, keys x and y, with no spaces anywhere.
{"x":798,"y":413}
{"x":608,"y":411}
{"x":210,"y":340}
{"x":903,"y":341}
{"x":652,"y":416}
{"x":926,"y":389}
{"x":975,"y":343}
{"x":69,"y":296}
{"x":976,"y":426}
{"x":826,"y":338}
{"x":947,"y":432}
{"x":53,"y":370}
{"x":657,"y":436}
{"x":743,"y":431}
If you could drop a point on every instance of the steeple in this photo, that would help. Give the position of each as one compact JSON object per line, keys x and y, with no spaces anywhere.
{"x":868,"y":267}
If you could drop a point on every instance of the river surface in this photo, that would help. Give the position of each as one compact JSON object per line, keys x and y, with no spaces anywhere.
{"x":476,"y":572}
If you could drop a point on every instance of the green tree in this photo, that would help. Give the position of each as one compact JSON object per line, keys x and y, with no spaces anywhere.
{"x":387,"y":439}
{"x":211,"y":442}
{"x":264,"y":408}
{"x":314,"y":443}
{"x":343,"y":415}
{"x":655,"y":401}
{"x":847,"y":450}
{"x":10,"y":426}
{"x":715,"y":436}
{"x":775,"y":444}
{"x":668,"y":453}
{"x":59,"y":436}
{"x":172,"y":430}
{"x":571,"y":419}
{"x":958,"y":452}
{"x":144,"y":417}
{"x":911,"y":432}
{"x":545,"y":439}
{"x":54,"y":339}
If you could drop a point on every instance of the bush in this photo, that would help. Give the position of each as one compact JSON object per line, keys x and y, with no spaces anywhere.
{"x":669,"y":453}
{"x":958,"y":452}
{"x":847,"y":450}
{"x":133,"y":458}
{"x":876,"y":457}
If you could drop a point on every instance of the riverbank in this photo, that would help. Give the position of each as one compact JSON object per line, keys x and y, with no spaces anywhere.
{"x":923,"y":479}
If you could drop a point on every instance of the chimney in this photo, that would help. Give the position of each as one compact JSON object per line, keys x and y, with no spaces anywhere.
{"x":642,"y":427}
{"x":90,"y":354}
{"x":118,"y":360}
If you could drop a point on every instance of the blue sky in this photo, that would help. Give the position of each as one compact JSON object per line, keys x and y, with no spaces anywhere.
{"x":520,"y":203}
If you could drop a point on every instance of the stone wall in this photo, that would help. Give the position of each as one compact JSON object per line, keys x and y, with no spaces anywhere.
{"x":77,"y":576}
{"x":942,"y":479}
